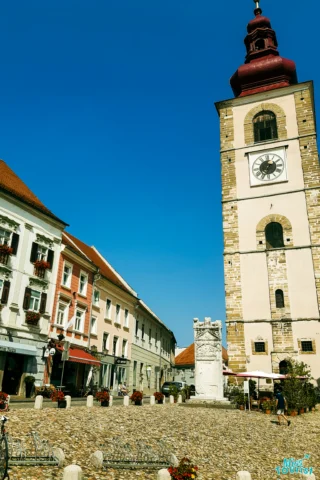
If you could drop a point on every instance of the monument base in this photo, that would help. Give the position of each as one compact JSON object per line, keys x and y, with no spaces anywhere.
{"x":208,"y":399}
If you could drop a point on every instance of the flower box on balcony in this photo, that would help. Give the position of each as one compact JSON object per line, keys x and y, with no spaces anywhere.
{"x":5,"y":253}
{"x":40,"y":267}
{"x":32,"y":318}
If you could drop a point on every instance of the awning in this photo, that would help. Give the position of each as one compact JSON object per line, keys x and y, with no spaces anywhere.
{"x":80,"y":356}
{"x":14,"y":347}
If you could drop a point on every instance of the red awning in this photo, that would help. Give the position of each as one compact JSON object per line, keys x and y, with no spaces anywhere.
{"x":80,"y":356}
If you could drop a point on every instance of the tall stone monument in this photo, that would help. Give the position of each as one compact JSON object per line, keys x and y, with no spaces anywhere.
{"x":208,"y":360}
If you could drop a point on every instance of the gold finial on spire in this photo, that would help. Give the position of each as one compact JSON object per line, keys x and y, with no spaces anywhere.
{"x":257,"y":10}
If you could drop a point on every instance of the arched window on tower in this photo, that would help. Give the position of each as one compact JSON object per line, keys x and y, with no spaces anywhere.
{"x":274,"y":235}
{"x":265,"y":126}
{"x":279,"y":299}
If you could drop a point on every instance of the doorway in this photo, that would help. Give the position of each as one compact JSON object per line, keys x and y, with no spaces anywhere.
{"x":12,"y":373}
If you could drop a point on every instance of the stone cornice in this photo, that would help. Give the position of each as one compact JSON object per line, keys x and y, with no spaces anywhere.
{"x":6,"y":221}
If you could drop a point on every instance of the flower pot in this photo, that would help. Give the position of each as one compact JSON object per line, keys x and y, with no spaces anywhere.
{"x":62,"y":403}
{"x":267,"y":411}
{"x":301,"y":411}
{"x":293,"y":413}
{"x":105,"y":403}
{"x":160,"y":401}
{"x":3,"y":406}
{"x":138,"y":402}
{"x":241,"y":407}
{"x":313,"y":410}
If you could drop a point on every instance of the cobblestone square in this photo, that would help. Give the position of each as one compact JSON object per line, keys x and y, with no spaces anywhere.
{"x":220,"y":442}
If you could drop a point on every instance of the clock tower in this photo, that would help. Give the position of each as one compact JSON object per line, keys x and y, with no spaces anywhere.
{"x":271,"y":210}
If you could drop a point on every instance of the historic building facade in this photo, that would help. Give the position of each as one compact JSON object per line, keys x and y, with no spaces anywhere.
{"x":30,"y":242}
{"x":271,"y":207}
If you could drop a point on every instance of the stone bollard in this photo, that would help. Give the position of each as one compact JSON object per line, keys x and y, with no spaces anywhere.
{"x":163,"y":474}
{"x":152,"y":400}
{"x":243,"y":476}
{"x":307,"y":476}
{"x":58,"y":453}
{"x":174,"y":462}
{"x":90,"y":401}
{"x":180,"y":399}
{"x":72,"y":472}
{"x":164,"y":399}
{"x":68,"y":400}
{"x":97,"y":459}
{"x":126,"y":401}
{"x":171,"y":399}
{"x":110,"y":401}
{"x":38,"y":402}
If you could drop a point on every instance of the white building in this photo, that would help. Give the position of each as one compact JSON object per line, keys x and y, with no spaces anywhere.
{"x":30,"y":238}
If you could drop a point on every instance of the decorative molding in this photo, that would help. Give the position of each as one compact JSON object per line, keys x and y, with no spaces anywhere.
{"x":28,"y":226}
{"x":38,"y":282}
{"x":5,"y":271}
{"x":207,"y":337}
{"x":8,"y":222}
{"x":44,"y":240}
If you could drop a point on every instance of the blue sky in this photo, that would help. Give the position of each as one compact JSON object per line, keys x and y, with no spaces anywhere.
{"x":107,"y":113}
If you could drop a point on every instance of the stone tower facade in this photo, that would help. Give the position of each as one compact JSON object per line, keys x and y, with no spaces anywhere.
{"x":271,"y":211}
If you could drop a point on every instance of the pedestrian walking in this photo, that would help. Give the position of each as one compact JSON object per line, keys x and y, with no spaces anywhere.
{"x":281,"y":405}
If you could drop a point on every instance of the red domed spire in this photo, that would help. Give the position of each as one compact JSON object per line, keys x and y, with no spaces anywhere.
{"x":264,"y":69}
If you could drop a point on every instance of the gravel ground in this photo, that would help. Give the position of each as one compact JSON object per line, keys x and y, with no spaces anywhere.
{"x":220,"y":442}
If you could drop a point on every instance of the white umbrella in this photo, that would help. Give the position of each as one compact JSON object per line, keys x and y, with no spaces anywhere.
{"x":89,"y":377}
{"x":260,"y":374}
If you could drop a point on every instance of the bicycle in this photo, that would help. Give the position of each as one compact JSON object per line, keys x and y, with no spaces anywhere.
{"x":4,"y":453}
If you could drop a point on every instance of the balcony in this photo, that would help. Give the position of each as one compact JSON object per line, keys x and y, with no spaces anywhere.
{"x":40,"y":267}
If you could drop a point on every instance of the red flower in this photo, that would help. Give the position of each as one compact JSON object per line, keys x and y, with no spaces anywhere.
{"x":57,"y":396}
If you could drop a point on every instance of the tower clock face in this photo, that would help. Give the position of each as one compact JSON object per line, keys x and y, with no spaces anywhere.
{"x":268,"y":167}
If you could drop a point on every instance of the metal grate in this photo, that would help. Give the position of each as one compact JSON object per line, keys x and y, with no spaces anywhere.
{"x":259,"y":346}
{"x":306,"y":346}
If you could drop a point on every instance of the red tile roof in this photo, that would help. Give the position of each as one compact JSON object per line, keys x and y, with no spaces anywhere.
{"x":12,"y":184}
{"x":187,"y":356}
{"x":106,"y":270}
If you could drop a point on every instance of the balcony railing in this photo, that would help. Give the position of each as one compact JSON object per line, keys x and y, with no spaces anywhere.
{"x":4,"y":258}
{"x":40,"y":267}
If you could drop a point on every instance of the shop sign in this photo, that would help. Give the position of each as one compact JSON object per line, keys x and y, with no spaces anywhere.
{"x":121,"y":361}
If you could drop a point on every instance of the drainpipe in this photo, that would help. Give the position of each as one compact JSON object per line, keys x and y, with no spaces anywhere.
{"x":160,"y":365}
{"x":96,"y":277}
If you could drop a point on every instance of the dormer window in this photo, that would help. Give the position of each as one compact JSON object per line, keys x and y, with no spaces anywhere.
{"x":265,"y":126}
{"x":259,"y":45}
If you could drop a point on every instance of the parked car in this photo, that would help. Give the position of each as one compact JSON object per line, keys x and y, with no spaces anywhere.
{"x":166,"y":387}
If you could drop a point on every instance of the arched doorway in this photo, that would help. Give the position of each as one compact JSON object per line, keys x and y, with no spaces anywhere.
{"x":283,"y":367}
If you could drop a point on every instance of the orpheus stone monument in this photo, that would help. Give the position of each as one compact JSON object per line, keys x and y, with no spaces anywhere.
{"x":208,"y":359}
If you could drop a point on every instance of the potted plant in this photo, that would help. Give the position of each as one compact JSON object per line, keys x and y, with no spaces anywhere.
{"x":240,"y":400}
{"x":58,"y":396}
{"x":184,"y":470}
{"x":29,"y":381}
{"x":5,"y":252}
{"x":173,"y":390}
{"x":3,"y":401}
{"x":103,"y":397}
{"x":159,"y":397}
{"x":32,"y":318}
{"x":267,"y":406}
{"x":136,"y":397}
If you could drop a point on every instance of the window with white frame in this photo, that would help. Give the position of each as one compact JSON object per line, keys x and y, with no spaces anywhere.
{"x":66,"y":276}
{"x":42,"y":253}
{"x":115,"y":346}
{"x":117,"y":314}
{"x":96,"y":297}
{"x":125,"y":348}
{"x":61,"y":314}
{"x":94,"y":325}
{"x":83,"y":283}
{"x":34,"y":301}
{"x":5,"y":237}
{"x":108,"y":308}
{"x":79,"y":321}
{"x":105,"y":341}
{"x":126,"y":318}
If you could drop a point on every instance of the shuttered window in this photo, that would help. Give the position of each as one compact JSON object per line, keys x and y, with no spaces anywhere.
{"x":274,"y":235}
{"x":265,"y":126}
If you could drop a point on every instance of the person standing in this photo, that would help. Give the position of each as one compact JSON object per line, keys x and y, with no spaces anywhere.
{"x":281,"y":405}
